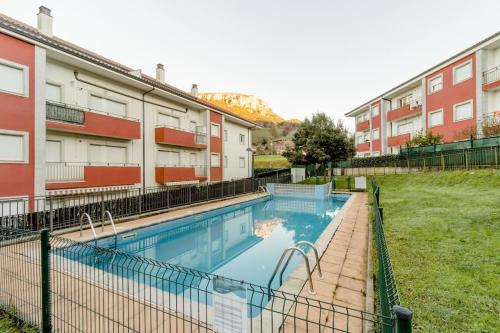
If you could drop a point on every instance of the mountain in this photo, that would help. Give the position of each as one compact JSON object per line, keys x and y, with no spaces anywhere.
{"x":249,"y":107}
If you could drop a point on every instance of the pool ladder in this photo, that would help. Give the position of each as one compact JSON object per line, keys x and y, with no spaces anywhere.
{"x":289,"y":251}
{"x":89,"y":219}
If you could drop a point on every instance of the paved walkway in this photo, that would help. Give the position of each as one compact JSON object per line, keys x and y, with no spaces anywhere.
{"x":344,"y":265}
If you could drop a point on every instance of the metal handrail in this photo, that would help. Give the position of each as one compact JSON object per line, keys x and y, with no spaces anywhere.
{"x":108,"y":213}
{"x":320,"y":274}
{"x":291,"y":250}
{"x":90,"y":222}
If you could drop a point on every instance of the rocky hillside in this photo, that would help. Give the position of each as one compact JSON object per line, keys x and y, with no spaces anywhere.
{"x":250,"y":107}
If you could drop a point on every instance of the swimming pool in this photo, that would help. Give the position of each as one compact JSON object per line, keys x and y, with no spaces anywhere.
{"x":243,"y":242}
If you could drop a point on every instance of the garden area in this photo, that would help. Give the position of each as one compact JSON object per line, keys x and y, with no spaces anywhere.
{"x":442,"y":230}
{"x":270,"y":162}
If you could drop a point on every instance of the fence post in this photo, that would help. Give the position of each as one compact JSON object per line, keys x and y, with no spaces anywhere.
{"x":496,"y":157}
{"x":140,"y":201}
{"x":45,"y":281}
{"x":51,"y":214}
{"x":277,"y":180}
{"x":403,"y":319}
{"x":466,"y":160}
{"x":442,"y":161}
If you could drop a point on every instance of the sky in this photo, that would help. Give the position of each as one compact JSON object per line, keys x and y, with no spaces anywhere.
{"x":300,"y":56}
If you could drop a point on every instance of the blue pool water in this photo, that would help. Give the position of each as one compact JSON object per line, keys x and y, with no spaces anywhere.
{"x":243,"y":242}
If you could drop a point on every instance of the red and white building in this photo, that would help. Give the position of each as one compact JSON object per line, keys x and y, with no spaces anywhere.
{"x":455,"y":98}
{"x":72,"y":121}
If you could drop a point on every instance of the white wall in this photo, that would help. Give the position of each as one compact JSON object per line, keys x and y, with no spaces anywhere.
{"x":234,"y":150}
{"x":415,"y":125}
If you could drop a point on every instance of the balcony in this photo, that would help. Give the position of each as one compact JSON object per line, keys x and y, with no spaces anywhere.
{"x":405,"y":111}
{"x":180,"y":137}
{"x":491,"y":79}
{"x":177,"y":173}
{"x":363,"y":126}
{"x":64,"y":175}
{"x":75,"y":119}
{"x":365,"y":146}
{"x":398,"y":140}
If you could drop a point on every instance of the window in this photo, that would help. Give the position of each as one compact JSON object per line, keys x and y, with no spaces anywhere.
{"x":53,"y":151}
{"x":360,"y":139}
{"x":359,"y":119}
{"x":366,"y":136}
{"x":215,"y":160}
{"x":193,"y":159}
{"x":171,"y":158}
{"x":225,"y":161}
{"x":462,"y":72}
{"x":53,"y":92}
{"x":225,"y":135}
{"x":436,"y":118}
{"x":107,"y":154}
{"x":404,"y":128}
{"x":192,"y":126}
{"x":242,"y":139}
{"x":376,"y":134}
{"x":242,"y":162}
{"x":375,"y":111}
{"x":14,"y":78}
{"x":376,"y":153}
{"x":168,"y":120}
{"x":215,"y":130}
{"x":405,"y":100}
{"x":13,"y":146}
{"x":108,"y":105}
{"x":436,"y":84}
{"x":462,"y":111}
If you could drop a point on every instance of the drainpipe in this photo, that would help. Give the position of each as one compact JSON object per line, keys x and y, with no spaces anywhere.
{"x":144,"y":139}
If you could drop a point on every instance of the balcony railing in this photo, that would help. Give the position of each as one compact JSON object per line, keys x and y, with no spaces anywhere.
{"x":363,"y":125}
{"x":179,"y":173}
{"x":74,"y":171}
{"x":65,"y":113}
{"x":75,"y":114}
{"x":491,"y":75}
{"x":177,"y":136}
{"x":412,"y":104}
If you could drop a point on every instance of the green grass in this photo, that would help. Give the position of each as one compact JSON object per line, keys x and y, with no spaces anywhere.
{"x":270,"y":162}
{"x":340,"y":181}
{"x":10,"y":325}
{"x":443,"y":235}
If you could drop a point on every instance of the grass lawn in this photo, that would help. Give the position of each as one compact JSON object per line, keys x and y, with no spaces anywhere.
{"x":443,"y":234}
{"x":270,"y":162}
{"x":340,"y":181}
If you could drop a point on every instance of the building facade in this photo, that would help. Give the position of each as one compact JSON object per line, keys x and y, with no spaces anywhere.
{"x":72,"y":121}
{"x":457,"y":98}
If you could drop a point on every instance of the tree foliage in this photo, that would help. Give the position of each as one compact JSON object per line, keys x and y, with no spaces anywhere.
{"x":320,"y":140}
{"x":425,"y":139}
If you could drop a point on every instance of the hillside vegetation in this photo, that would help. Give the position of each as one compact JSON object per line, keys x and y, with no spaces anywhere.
{"x":443,"y":234}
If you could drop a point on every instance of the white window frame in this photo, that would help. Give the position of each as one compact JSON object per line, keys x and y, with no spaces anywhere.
{"x":378,"y":134}
{"x":212,"y":134}
{"x":429,"y":118}
{"x":58,"y":84}
{"x":116,"y":100}
{"x":108,"y":144}
{"x":60,"y":147}
{"x":470,"y":101}
{"x":429,"y":92}
{"x":218,"y":159}
{"x":465,"y":63}
{"x":26,"y":78}
{"x":376,"y":107}
{"x":26,"y":153}
{"x":404,"y":124}
{"x":242,"y":158}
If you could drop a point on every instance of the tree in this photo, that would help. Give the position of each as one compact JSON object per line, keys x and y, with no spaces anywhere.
{"x":320,"y":140}
{"x":426,"y":139}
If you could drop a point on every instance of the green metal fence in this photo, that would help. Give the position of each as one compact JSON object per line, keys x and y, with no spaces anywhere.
{"x":59,"y":285}
{"x":445,"y":147}
{"x":386,"y":282}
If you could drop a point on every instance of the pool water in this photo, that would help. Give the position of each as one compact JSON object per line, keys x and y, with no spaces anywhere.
{"x":243,"y":242}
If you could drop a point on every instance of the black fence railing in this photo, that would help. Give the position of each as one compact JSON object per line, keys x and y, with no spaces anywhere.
{"x":59,"y":285}
{"x":64,"y":113}
{"x":60,"y":212}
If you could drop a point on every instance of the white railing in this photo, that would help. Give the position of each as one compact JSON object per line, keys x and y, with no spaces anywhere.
{"x":63,"y":171}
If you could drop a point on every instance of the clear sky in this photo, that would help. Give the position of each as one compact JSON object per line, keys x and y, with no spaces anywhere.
{"x":301,"y":56}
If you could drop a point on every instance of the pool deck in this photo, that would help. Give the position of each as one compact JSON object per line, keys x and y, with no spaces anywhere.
{"x":345,"y":272}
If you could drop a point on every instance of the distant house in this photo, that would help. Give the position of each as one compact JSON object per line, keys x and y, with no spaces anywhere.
{"x":279,"y":146}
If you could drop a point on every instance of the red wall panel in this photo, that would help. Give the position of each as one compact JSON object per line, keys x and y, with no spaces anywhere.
{"x":18,"y":113}
{"x":216,"y":147}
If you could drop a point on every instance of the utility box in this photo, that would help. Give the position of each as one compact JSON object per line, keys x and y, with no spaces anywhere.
{"x":298,"y":174}
{"x":360,"y":183}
